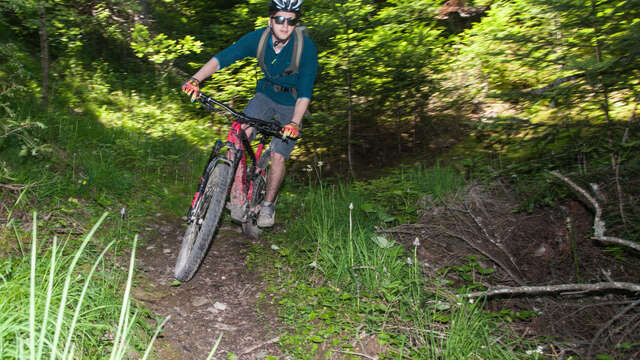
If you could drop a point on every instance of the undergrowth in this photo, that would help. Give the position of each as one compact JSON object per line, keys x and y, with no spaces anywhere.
{"x":97,"y":146}
{"x":63,"y":300}
{"x":343,"y":288}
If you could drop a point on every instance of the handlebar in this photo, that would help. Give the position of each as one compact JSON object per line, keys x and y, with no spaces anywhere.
{"x":262,"y":126}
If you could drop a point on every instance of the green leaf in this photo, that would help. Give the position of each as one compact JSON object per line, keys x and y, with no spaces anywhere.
{"x":485,"y":271}
{"x":441,"y":306}
{"x":368,"y":207}
{"x":442,"y":318}
{"x":317,"y":339}
{"x":382,"y":242}
{"x":604,"y":357}
{"x":388,"y":218}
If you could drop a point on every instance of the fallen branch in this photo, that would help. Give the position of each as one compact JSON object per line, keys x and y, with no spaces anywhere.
{"x":615,"y":240}
{"x":599,"y":227}
{"x":15,"y":187}
{"x":358,"y":354}
{"x":616,"y":285}
{"x":599,"y":230}
{"x":257,"y":346}
{"x":496,"y":242}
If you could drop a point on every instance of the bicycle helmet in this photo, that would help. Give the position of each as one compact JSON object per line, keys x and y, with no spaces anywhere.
{"x":285,"y":5}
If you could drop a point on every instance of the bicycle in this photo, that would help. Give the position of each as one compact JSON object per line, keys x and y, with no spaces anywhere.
{"x":227,"y":166}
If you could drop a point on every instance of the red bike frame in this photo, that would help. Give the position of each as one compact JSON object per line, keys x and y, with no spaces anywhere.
{"x":242,"y":188}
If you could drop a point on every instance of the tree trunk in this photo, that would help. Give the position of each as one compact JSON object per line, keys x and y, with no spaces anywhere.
{"x":615,"y":156}
{"x":349,"y":107}
{"x":350,"y":125}
{"x":44,"y":54}
{"x":605,"y":90}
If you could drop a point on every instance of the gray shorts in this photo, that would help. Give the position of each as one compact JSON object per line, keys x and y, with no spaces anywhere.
{"x":263,"y":108}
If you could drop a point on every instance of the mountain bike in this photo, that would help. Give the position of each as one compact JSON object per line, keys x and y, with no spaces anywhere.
{"x":235,"y":170}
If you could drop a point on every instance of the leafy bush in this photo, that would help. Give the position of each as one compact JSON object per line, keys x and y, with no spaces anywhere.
{"x":17,"y":126}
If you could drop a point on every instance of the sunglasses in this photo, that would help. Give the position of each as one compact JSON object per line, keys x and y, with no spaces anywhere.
{"x":281,"y":19}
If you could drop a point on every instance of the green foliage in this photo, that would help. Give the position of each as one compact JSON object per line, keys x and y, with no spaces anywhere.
{"x":160,"y":49}
{"x":385,"y":55}
{"x":400,"y":196}
{"x":17,"y":127}
{"x":471,"y":271}
{"x":377,"y":63}
{"x":522,"y":152}
{"x":117,"y":137}
{"x":525,"y":45}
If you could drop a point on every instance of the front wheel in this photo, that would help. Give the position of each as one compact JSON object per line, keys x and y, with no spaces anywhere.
{"x":199,"y":233}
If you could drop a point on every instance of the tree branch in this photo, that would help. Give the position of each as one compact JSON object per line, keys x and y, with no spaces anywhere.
{"x":257,"y":346}
{"x":615,"y":240}
{"x":598,"y":224}
{"x":556,"y":83}
{"x":616,"y":285}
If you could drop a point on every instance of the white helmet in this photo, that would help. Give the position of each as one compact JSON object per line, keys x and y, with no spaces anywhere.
{"x":285,"y":5}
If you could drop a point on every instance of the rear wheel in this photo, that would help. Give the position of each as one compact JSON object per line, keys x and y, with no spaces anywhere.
{"x":250,"y":227}
{"x":258,"y":194}
{"x":199,"y":233}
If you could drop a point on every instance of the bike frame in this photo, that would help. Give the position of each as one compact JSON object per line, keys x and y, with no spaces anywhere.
{"x":237,"y":149}
{"x":242,"y":188}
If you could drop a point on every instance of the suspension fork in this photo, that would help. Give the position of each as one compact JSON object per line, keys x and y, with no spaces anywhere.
{"x":214,"y":160}
{"x":238,"y":192}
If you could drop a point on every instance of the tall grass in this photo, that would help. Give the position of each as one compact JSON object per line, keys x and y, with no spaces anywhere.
{"x":472,"y":335}
{"x":50,"y":308}
{"x":341,"y":220}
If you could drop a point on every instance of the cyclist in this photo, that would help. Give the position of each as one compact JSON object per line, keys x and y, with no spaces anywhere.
{"x":282,"y":94}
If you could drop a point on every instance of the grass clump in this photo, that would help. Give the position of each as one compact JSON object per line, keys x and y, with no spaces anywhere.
{"x":59,"y":301}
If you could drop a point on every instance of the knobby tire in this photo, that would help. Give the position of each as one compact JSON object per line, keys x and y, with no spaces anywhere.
{"x":197,"y":237}
{"x":250,"y":228}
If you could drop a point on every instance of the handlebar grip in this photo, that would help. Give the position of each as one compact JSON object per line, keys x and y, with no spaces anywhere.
{"x":291,"y":138}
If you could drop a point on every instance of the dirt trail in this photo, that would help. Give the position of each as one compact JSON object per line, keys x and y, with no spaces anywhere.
{"x":221,"y":298}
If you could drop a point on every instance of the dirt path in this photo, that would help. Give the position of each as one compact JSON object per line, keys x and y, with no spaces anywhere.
{"x":223,"y":297}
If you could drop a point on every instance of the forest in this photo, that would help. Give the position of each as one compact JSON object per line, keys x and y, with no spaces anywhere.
{"x":466,"y":185}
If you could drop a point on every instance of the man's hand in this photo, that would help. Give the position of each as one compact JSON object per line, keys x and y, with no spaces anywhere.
{"x":291,"y":130}
{"x":192,"y":88}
